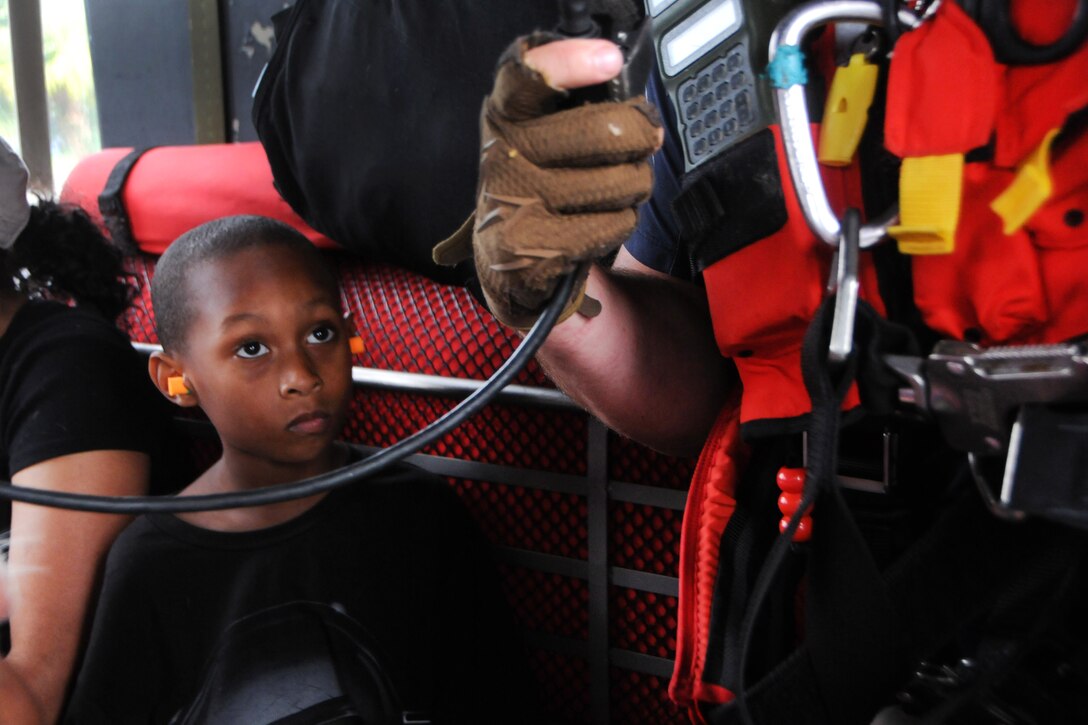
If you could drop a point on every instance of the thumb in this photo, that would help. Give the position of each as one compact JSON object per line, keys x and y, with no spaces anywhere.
{"x":575,"y":63}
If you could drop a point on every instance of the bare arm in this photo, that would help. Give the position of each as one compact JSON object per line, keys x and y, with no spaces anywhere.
{"x":19,"y":707}
{"x":647,"y":366}
{"x":54,"y":566}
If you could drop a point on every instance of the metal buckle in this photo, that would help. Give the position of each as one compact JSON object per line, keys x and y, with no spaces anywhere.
{"x":982,"y":399}
{"x":845,"y":288}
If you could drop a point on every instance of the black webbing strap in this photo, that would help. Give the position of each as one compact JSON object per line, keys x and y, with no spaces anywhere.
{"x":958,"y":575}
{"x":849,"y":617}
{"x":849,"y":614}
{"x":734,"y":201}
{"x":111,"y":203}
{"x":852,"y":630}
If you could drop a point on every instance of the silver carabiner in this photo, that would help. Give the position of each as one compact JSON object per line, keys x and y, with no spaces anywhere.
{"x":845,"y":289}
{"x":794,"y":120}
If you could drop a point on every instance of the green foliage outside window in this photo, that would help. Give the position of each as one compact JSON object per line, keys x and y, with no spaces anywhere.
{"x":73,"y":114}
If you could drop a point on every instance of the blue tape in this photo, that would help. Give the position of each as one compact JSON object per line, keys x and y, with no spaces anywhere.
{"x":788,"y":67}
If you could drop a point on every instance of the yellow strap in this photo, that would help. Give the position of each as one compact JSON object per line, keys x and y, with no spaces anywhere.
{"x":847,"y":110}
{"x":1027,"y":192}
{"x":930,"y":189}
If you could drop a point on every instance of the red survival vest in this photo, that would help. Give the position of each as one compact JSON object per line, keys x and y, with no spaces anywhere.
{"x":1018,"y":273}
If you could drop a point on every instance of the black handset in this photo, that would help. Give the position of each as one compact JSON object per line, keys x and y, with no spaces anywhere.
{"x":635,"y":42}
{"x":712,"y":55}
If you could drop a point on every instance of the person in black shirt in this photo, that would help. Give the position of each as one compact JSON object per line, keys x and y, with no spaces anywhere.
{"x":77,"y":413}
{"x":206,"y":616}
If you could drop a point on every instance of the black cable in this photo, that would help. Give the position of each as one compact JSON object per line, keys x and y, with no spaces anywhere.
{"x":826,"y":395}
{"x":333,"y":479}
{"x":994,"y":17}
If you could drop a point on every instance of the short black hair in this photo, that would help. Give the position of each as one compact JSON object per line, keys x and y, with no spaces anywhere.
{"x":212,"y":241}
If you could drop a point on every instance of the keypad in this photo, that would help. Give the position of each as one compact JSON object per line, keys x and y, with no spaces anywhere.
{"x":718,"y":104}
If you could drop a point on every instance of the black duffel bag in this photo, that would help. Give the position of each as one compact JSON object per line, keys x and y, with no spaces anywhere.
{"x":369,"y":113}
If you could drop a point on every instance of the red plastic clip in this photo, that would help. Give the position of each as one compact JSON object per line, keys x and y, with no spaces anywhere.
{"x":792,"y":483}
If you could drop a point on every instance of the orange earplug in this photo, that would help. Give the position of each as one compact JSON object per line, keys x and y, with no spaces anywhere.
{"x":175,"y":385}
{"x":356,"y":345}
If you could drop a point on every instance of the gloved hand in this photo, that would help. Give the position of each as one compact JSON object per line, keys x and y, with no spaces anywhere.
{"x":557,"y":187}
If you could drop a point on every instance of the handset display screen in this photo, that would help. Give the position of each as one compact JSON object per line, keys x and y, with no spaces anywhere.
{"x":704,"y":29}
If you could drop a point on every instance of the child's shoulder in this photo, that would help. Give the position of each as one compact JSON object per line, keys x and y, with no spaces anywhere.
{"x":405,"y":483}
{"x":403,"y":490}
{"x":139,"y":548}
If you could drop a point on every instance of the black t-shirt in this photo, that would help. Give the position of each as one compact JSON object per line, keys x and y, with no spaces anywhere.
{"x":70,"y":382}
{"x":397,"y":553}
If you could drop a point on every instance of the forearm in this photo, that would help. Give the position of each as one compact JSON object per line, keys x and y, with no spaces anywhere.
{"x":46,"y":633}
{"x":647,"y":366}
{"x":17,"y":705}
{"x":54,"y":584}
{"x":560,"y":189}
{"x":55,"y":560}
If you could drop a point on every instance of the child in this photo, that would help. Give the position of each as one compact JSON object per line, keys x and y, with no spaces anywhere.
{"x":374,"y":599}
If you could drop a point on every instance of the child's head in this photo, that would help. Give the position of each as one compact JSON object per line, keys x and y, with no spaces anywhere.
{"x":249,"y":318}
{"x":171,"y":296}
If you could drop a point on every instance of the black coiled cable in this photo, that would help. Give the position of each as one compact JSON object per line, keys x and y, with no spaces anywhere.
{"x":333,"y":479}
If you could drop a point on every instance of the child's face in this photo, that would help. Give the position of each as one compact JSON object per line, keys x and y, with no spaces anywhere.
{"x":267,"y":355}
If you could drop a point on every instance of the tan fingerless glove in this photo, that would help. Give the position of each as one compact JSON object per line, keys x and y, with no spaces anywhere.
{"x":556,"y":187}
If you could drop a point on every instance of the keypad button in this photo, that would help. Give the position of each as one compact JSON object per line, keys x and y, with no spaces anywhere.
{"x":700,"y":147}
{"x":744,"y":111}
{"x":691,"y":111}
{"x":737,"y":81}
{"x":706,"y":101}
{"x":730,"y":126}
{"x":721,"y":91}
{"x":718,"y":73}
{"x":687,"y":93}
{"x":726,"y":109}
{"x":697,"y":128}
{"x":734,"y":61}
{"x":703,"y":83}
{"x":715,"y":137}
{"x":711,"y":118}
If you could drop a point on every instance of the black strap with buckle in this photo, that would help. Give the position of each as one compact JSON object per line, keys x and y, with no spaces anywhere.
{"x":112,"y":205}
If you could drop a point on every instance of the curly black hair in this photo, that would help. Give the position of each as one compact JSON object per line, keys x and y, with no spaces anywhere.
{"x":64,"y":252}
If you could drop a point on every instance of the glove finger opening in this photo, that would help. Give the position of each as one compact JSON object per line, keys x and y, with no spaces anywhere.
{"x":520,"y":92}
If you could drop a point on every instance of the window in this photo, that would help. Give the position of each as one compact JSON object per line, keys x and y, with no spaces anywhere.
{"x":72,"y":112}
